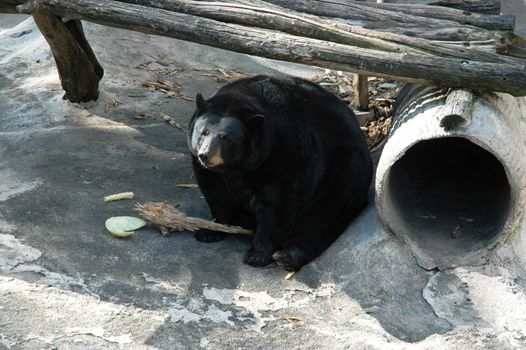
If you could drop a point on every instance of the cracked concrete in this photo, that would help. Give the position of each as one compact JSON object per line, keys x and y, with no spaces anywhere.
{"x":66,"y":283}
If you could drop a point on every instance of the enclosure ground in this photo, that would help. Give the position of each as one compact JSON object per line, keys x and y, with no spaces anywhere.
{"x":66,"y":283}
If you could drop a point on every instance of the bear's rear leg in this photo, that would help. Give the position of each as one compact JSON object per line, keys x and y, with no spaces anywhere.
{"x":291,"y":259}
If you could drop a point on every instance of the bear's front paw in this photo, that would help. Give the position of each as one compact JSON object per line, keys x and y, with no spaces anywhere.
{"x":291,"y":259}
{"x":256,"y":257}
{"x":208,"y":236}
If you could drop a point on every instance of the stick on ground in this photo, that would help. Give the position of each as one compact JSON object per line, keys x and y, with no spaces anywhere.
{"x":164,"y":214}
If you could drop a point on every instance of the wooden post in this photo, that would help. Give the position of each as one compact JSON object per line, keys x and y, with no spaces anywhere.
{"x":361,"y":92}
{"x":77,"y":66}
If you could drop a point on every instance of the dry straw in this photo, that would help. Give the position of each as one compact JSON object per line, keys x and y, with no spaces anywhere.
{"x":164,"y":214}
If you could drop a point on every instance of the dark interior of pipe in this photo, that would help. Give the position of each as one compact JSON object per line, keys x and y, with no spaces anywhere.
{"x":449,"y":196}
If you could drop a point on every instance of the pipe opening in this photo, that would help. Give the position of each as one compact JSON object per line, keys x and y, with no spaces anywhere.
{"x":449,"y":197}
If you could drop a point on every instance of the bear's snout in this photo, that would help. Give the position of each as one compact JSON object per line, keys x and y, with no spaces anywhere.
{"x":210,"y":158}
{"x":203,"y":157}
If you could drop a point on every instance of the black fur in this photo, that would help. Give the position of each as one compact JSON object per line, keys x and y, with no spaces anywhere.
{"x":304,"y":174}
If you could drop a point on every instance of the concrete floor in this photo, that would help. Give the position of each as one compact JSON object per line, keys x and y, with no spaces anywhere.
{"x":65,"y":283}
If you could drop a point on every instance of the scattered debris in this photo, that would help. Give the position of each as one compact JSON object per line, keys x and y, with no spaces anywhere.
{"x":124,"y":226}
{"x":338,"y":83}
{"x":187,"y":186}
{"x":429,"y":216}
{"x":382,"y":94}
{"x":115,"y":103}
{"x":119,"y":196}
{"x":171,"y":121}
{"x":457,"y":232}
{"x":223,"y":75}
{"x":377,"y":130}
{"x":171,"y":89}
{"x":159,"y":66}
{"x":159,"y":85}
{"x":466,"y":219}
{"x":336,"y":308}
{"x":112,"y":103}
{"x":291,"y":319}
{"x":164,"y":214}
{"x":289,"y":275}
{"x":140,"y":117}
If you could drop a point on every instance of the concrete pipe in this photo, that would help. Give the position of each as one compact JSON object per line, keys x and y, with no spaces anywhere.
{"x":451,"y":178}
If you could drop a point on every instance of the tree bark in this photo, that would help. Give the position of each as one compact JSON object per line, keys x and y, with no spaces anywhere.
{"x":490,"y":7}
{"x":486,"y":21}
{"x":505,"y":77}
{"x":78,"y":68}
{"x":397,"y":21}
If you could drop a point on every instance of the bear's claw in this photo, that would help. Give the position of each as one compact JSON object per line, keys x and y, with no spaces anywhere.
{"x":291,"y":259}
{"x":254,"y":257}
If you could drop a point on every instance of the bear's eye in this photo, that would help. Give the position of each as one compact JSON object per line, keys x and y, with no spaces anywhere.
{"x":224,"y":137}
{"x":205,"y":132}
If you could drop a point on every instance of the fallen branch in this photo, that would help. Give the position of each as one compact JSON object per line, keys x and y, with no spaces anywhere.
{"x":169,"y":120}
{"x":165,"y":215}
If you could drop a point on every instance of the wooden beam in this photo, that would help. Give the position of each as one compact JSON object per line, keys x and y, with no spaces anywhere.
{"x":504,"y":77}
{"x":263,"y":15}
{"x":419,"y":16}
{"x":491,"y":7}
{"x":78,"y":68}
{"x":487,"y":21}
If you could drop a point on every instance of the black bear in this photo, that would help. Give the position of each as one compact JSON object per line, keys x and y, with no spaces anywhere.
{"x":284,"y":157}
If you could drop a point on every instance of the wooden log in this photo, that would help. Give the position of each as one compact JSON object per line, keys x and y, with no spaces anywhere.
{"x":486,"y":21}
{"x":458,"y":110}
{"x":259,"y":13}
{"x":504,"y":77}
{"x":78,"y":68}
{"x":491,"y":7}
{"x":430,"y":28}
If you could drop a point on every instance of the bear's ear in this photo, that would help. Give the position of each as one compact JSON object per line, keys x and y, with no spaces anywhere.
{"x":255,"y":122}
{"x":200,"y":102}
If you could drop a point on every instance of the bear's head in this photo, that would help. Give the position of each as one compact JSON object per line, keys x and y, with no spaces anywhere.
{"x":225,"y":136}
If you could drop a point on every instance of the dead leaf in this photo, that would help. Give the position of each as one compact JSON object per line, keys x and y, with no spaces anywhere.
{"x":291,"y":319}
{"x":222,"y":75}
{"x":172,"y":122}
{"x":457,"y":232}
